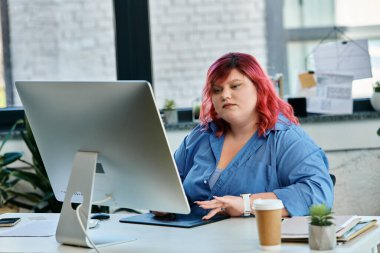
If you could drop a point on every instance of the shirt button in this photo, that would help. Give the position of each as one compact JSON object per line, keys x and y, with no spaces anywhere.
{"x":205,"y":181}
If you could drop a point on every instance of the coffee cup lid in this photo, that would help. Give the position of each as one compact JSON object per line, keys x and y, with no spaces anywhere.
{"x":267,"y":204}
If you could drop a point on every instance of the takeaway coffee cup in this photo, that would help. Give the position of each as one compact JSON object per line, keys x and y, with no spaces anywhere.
{"x":268,"y":219}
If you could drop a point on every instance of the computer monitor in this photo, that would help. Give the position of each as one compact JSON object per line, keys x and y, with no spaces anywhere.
{"x":111,"y":128}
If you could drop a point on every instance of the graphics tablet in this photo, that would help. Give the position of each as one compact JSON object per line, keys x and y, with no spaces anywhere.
{"x":173,"y":220}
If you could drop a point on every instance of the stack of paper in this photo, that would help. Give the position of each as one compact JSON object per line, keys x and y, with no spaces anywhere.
{"x":347,"y":227}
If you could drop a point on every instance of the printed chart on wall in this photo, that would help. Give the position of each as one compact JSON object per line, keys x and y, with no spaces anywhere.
{"x":334,"y":95}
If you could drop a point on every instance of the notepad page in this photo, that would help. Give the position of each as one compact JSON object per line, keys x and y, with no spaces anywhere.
{"x":34,"y":228}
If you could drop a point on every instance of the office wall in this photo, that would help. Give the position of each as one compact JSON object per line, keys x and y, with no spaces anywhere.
{"x":357,"y":188}
{"x":353,"y":150}
{"x":187,"y":36}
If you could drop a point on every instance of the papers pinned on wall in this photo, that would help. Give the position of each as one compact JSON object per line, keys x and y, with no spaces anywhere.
{"x":334,"y":95}
{"x":307,"y":79}
{"x":347,"y":58}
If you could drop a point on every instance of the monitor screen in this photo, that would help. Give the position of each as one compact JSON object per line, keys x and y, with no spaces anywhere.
{"x":117,"y":120}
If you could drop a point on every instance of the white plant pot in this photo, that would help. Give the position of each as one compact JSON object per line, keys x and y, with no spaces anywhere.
{"x":322,"y":237}
{"x":375,"y":101}
{"x":171,"y":117}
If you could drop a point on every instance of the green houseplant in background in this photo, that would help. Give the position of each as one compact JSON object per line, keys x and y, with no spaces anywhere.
{"x":196,"y":109}
{"x":376,"y":92}
{"x":376,"y":86}
{"x":40,"y":198}
{"x":14,"y":180}
{"x":322,"y":233}
{"x":170,"y":112}
{"x":375,"y":99}
{"x":6,"y":184}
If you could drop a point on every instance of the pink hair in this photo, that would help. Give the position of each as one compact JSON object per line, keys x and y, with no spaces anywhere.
{"x":268,"y":106}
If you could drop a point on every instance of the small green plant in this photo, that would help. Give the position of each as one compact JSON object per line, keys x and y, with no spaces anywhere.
{"x":196,"y":111}
{"x":376,"y":86}
{"x":169,"y":105}
{"x":321,"y":215}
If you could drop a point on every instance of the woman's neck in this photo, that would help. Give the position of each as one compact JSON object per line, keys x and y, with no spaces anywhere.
{"x":242,"y":131}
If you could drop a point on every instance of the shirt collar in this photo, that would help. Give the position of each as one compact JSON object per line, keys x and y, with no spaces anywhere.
{"x":282,"y":124}
{"x":213,"y":127}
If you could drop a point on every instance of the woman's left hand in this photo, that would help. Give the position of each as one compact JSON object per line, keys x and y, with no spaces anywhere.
{"x":231,"y":205}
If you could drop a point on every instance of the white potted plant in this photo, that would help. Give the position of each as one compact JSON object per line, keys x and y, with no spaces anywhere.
{"x":170,"y":112}
{"x":375,"y":99}
{"x":322,"y":233}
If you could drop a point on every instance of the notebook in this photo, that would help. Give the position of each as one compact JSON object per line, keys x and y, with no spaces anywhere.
{"x":172,"y":220}
{"x":295,"y":229}
{"x":358,"y":229}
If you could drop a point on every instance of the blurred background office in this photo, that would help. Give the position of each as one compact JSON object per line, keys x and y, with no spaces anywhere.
{"x":76,"y":40}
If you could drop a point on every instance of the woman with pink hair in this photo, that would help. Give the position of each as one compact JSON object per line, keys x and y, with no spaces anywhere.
{"x":249,"y":146}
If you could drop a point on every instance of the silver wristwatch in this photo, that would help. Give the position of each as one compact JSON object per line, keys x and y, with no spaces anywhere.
{"x":247,"y":203}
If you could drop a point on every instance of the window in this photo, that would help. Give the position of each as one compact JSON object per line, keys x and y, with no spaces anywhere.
{"x":308,"y":13}
{"x":309,"y":22}
{"x":55,"y":40}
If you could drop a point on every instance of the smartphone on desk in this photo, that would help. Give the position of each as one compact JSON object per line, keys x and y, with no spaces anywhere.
{"x":9,"y":222}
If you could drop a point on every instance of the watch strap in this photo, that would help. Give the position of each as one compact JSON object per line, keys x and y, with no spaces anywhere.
{"x":247,"y":204}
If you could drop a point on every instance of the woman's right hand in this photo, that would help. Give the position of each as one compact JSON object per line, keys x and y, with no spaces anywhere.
{"x":230,"y":205}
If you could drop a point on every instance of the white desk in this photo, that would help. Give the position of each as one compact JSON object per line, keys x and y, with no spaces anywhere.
{"x":232,"y":235}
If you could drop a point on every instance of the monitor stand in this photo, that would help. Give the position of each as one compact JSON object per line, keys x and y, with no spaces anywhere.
{"x":81,"y":181}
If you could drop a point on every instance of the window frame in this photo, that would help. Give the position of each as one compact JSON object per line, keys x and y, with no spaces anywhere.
{"x":6,"y":54}
{"x":278,"y":38}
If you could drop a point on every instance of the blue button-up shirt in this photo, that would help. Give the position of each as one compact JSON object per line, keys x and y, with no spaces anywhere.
{"x":285,"y":161}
